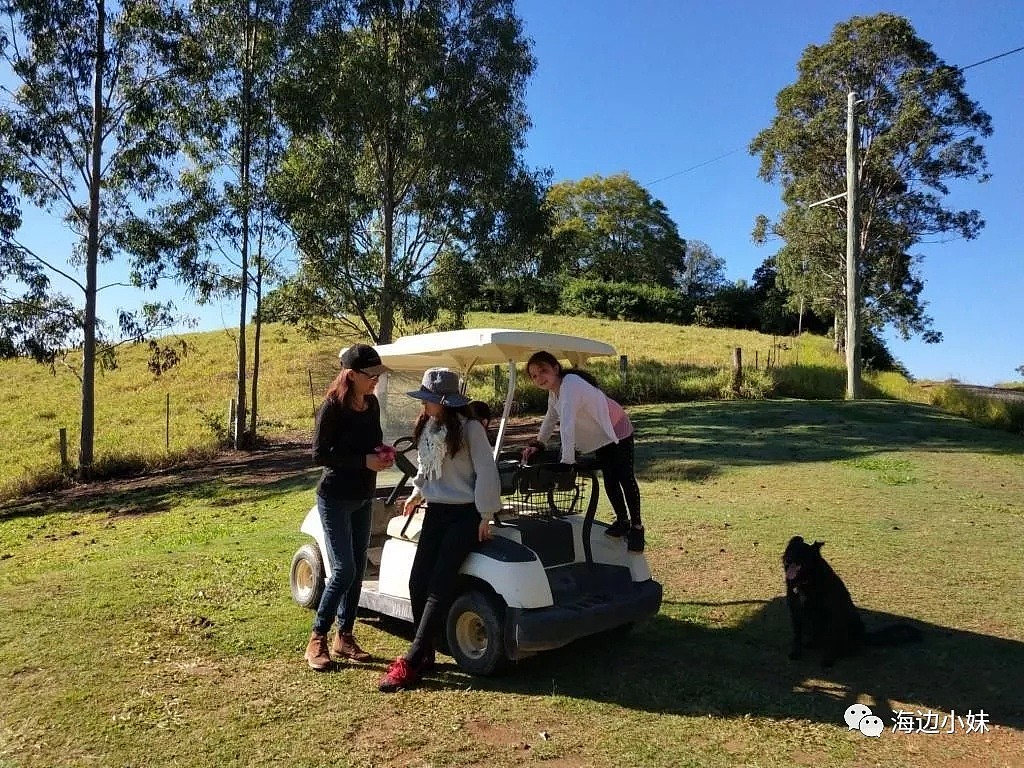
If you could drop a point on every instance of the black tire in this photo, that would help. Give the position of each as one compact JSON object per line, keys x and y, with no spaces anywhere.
{"x":307,"y":576}
{"x":475,"y":633}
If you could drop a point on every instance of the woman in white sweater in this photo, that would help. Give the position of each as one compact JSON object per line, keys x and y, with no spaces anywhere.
{"x":590,"y":421}
{"x":459,"y":481}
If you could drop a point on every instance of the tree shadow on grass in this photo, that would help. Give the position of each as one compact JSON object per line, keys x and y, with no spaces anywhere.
{"x":230,"y":479}
{"x":702,"y":437}
{"x":674,"y":666}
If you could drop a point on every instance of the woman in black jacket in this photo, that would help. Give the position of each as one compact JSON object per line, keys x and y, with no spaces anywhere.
{"x":345,"y":441}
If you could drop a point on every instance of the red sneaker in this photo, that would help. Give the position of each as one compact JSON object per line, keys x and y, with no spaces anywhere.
{"x":401,"y":675}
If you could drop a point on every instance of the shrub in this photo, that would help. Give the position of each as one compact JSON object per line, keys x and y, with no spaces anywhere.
{"x":988,"y":410}
{"x":625,"y":301}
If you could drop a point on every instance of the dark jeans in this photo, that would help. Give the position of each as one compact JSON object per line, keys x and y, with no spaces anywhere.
{"x":346,"y":524}
{"x":616,"y":463}
{"x":449,"y":533}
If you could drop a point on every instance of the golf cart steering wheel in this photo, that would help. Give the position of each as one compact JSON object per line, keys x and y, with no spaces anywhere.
{"x":403,"y":446}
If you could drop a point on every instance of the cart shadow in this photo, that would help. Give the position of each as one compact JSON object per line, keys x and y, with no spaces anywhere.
{"x":674,"y":666}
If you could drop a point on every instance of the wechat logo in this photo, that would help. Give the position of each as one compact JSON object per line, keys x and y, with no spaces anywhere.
{"x":858,"y":717}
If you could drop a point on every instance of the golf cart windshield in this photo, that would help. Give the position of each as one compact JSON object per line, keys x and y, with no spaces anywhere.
{"x":410,"y":356}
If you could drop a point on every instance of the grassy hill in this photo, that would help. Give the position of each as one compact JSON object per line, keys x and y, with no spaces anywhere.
{"x":134,"y":408}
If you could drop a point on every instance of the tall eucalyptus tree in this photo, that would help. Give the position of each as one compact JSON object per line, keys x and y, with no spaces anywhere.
{"x":82,"y":139}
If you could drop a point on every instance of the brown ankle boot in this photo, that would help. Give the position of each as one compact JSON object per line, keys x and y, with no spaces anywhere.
{"x":316,"y":653}
{"x":346,"y":647}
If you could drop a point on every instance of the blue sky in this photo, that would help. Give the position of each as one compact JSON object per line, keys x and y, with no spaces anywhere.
{"x":655,"y":87}
{"x":678,"y":88}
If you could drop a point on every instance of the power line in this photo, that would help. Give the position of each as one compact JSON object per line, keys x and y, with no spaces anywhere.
{"x":741,"y":149}
{"x":992,"y":58}
{"x":695,"y":167}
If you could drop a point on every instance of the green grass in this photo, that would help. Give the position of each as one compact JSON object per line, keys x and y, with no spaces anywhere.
{"x":668,"y":363}
{"x":154,"y":627}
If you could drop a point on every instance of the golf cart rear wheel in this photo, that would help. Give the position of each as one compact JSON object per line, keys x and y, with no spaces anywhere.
{"x":307,"y":576}
{"x":475,"y":633}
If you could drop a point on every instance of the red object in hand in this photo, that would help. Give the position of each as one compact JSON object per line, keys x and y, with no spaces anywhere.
{"x":386,"y":452}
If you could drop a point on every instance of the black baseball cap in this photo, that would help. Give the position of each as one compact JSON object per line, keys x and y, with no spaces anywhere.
{"x":363,"y":357}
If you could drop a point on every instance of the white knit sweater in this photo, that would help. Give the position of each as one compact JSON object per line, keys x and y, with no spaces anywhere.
{"x":468,"y":477}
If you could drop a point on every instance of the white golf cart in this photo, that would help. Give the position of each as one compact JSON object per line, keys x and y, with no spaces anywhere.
{"x":548,"y":576}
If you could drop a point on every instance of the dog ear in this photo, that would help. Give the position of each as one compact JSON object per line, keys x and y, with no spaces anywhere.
{"x":816,"y":546}
{"x":796,"y":540}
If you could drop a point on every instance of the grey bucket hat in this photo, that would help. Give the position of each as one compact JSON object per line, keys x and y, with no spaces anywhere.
{"x":441,"y":385}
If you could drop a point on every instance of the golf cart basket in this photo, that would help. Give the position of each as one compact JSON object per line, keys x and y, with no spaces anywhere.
{"x":542,"y":489}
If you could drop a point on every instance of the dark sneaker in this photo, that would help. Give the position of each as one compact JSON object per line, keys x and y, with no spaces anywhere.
{"x":617,"y":529}
{"x":401,"y":675}
{"x":635,"y":539}
{"x":429,"y":663}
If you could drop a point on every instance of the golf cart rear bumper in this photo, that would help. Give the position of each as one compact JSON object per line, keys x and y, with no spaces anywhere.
{"x":530,"y":630}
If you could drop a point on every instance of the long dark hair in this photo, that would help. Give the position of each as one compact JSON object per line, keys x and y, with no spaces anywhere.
{"x":548,"y":359}
{"x":452,"y":422}
{"x":338,"y":391}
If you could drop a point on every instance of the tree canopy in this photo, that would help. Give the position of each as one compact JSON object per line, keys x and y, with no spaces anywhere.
{"x":610,"y":228}
{"x":918,"y":131}
{"x":408,"y":119}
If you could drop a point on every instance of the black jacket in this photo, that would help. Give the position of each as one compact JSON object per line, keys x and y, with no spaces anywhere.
{"x":342,"y":438}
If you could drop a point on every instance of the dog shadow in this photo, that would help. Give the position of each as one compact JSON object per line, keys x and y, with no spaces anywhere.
{"x":673,"y":665}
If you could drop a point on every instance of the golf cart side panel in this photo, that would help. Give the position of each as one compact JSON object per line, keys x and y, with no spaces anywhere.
{"x":607,"y":550}
{"x":530,"y":631}
{"x":311,"y":526}
{"x":512,"y":570}
{"x":395,"y":567}
{"x":521,"y":583}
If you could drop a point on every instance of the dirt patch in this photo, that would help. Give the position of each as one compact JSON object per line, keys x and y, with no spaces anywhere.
{"x":279,"y":457}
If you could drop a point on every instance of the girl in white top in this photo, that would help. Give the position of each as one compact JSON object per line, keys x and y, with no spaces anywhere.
{"x":590,"y":421}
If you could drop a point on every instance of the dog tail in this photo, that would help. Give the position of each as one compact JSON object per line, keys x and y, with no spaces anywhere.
{"x":893,"y":634}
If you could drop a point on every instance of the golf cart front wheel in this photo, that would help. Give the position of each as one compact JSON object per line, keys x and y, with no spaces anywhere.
{"x":475,"y":634}
{"x":307,"y":576}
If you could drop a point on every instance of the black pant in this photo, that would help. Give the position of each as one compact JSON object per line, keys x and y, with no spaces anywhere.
{"x":449,"y":533}
{"x":616,"y":463}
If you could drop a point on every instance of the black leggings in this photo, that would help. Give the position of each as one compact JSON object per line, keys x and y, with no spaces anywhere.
{"x":616,"y":463}
{"x":449,"y":533}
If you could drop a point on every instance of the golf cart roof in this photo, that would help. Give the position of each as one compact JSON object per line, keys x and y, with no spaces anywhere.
{"x":461,"y":350}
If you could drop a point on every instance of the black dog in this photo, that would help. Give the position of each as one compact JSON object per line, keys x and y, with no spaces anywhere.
{"x":820,"y":604}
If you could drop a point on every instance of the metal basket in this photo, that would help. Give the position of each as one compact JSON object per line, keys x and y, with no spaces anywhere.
{"x":541,"y":489}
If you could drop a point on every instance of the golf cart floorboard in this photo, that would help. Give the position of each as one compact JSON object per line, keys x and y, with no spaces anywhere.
{"x":371,"y":599}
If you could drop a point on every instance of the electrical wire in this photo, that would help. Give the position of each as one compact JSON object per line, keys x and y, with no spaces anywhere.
{"x":740,"y":149}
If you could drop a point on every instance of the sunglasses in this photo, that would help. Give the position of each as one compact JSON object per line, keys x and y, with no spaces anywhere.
{"x":373,"y":376}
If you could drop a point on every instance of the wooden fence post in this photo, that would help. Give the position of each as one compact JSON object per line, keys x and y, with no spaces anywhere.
{"x":623,"y":368}
{"x":167,"y":423}
{"x":497,"y":381}
{"x":63,"y":449}
{"x":312,"y":397}
{"x":231,"y":414}
{"x":737,"y":369}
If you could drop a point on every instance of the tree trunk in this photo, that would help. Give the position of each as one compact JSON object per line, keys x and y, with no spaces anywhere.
{"x":92,"y":247}
{"x":250,"y":40}
{"x":853,"y":375}
{"x":386,"y":308}
{"x":258,"y":327}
